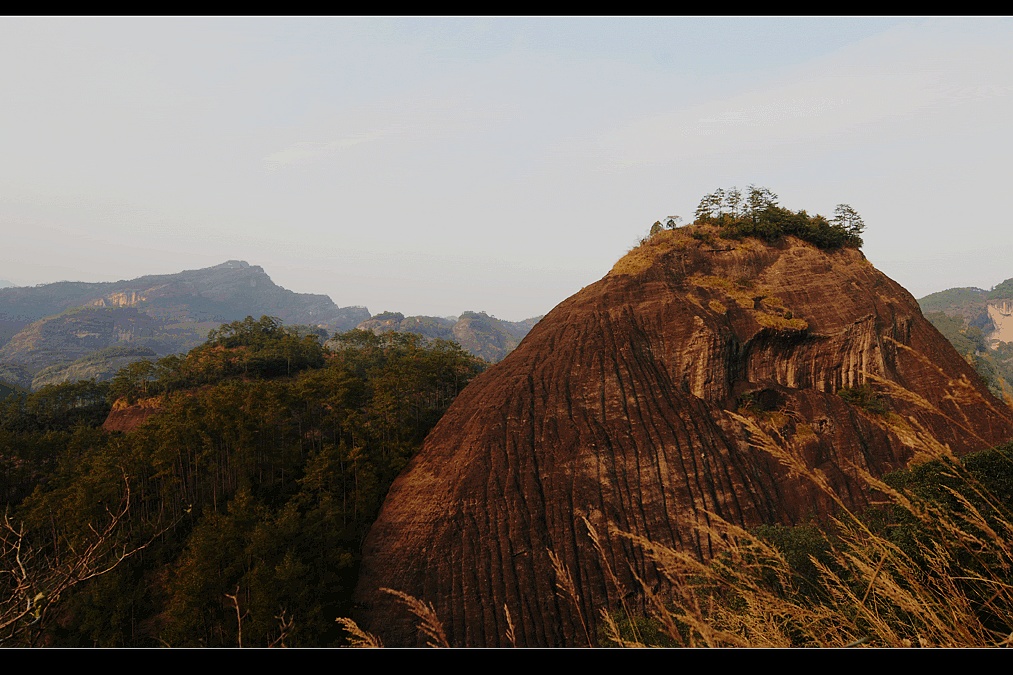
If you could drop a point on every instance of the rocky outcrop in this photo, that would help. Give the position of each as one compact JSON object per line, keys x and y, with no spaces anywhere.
{"x":1001,"y":314}
{"x":124,"y":416}
{"x":670,"y":392}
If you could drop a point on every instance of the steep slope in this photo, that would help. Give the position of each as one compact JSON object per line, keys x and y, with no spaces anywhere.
{"x":637,"y":405}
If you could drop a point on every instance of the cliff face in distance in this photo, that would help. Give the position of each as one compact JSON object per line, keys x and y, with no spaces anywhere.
{"x":636,"y":404}
{"x":989,"y":311}
{"x":979,"y":324}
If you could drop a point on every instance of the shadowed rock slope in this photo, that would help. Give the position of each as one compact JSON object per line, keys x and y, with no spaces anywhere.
{"x":637,"y":404}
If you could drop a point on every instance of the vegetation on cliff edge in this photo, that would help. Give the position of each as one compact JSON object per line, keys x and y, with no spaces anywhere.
{"x":730,"y":216}
{"x":757,"y":214}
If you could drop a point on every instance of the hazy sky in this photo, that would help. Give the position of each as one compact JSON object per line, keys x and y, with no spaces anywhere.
{"x":432,"y":166}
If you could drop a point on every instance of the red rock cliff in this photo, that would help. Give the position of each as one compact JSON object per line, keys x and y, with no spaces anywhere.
{"x":620,"y":407}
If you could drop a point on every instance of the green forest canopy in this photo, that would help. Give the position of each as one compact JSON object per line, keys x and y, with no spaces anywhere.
{"x":250,"y":491}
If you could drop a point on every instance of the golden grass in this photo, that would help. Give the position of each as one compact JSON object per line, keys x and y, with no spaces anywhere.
{"x":772,"y":313}
{"x":778,"y":322}
{"x":357,"y":636}
{"x":872,"y":592}
{"x":429,"y":623}
{"x":641,"y":257}
{"x":743,"y":297}
{"x":150,"y":403}
{"x":566,"y":589}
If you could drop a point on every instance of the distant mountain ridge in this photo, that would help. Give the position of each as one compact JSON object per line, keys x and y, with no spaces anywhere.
{"x":226,"y":292}
{"x":71,"y":330}
{"x":66,"y":330}
{"x":480,"y":334}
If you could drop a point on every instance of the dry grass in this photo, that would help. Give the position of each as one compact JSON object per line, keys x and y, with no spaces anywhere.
{"x":642,"y":257}
{"x":772,"y":312}
{"x":743,"y":297}
{"x":950,"y":587}
{"x":357,"y":636}
{"x":870,"y":591}
{"x":566,"y":589}
{"x":778,"y":322}
{"x":429,"y":623}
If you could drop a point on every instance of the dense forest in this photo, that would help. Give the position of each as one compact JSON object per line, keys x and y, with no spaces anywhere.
{"x":232,"y":517}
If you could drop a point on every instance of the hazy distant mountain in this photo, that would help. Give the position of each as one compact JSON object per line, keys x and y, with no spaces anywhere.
{"x":482,"y":335}
{"x":5,"y":284}
{"x":71,"y":330}
{"x":226,"y":292}
{"x":979,"y":324}
{"x":967,"y":303}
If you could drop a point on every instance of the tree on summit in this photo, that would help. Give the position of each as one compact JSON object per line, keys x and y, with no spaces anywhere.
{"x":671,"y":222}
{"x":848,"y":218}
{"x":759,"y":199}
{"x":757,"y":214}
{"x":711,"y":206}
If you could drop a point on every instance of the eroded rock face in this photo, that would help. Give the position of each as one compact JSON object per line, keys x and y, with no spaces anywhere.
{"x":629,"y":405}
{"x":1001,"y":314}
{"x":129,"y":416}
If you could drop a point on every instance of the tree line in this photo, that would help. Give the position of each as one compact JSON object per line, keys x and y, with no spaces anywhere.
{"x":756,"y":213}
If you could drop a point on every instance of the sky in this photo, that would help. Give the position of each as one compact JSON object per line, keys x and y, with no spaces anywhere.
{"x":437,"y":165}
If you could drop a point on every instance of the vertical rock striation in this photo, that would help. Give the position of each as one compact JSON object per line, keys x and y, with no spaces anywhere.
{"x":627,"y":407}
{"x":1001,"y":314}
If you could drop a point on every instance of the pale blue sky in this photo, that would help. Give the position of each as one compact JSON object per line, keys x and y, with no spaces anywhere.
{"x":432,"y":166}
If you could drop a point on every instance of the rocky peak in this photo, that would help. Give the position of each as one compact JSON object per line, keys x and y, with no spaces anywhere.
{"x":233,"y":265}
{"x":635,"y":405}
